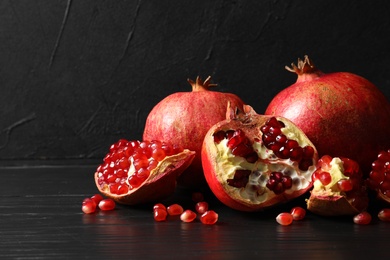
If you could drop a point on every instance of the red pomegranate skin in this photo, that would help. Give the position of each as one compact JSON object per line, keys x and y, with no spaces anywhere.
{"x":184,"y":118}
{"x":343,"y":114}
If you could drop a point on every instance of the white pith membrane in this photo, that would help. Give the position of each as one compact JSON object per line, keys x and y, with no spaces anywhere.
{"x":336,"y":172}
{"x":255,"y":191}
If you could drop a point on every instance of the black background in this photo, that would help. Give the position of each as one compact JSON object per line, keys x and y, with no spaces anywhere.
{"x":76,"y":76}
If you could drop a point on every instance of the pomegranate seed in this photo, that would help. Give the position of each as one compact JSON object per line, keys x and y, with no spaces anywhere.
{"x":324,"y":178}
{"x":160,"y":214}
{"x":174,"y":209}
{"x":278,"y":182}
{"x":97,"y":198}
{"x":298,"y":213}
{"x":210,"y":217}
{"x":345,"y":185}
{"x":384,"y":215}
{"x":363,"y":218}
{"x":219,"y":136}
{"x":197,"y":197}
{"x":188,"y":216}
{"x":88,"y":206}
{"x":159,"y":206}
{"x":201,"y":207}
{"x":107,"y":204}
{"x":284,"y":219}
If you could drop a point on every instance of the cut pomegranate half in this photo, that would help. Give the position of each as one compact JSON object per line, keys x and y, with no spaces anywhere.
{"x":136,"y":172}
{"x":379,"y":178}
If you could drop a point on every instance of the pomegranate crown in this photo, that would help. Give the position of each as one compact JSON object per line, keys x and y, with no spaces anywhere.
{"x":304,"y":66}
{"x":199,"y":85}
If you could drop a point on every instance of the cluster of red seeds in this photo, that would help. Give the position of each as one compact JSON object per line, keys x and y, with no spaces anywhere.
{"x":287,"y":218}
{"x":379,"y":178}
{"x":90,"y":205}
{"x":145,"y":156}
{"x":285,"y":148}
{"x":278,"y":182}
{"x":239,"y":144}
{"x":207,"y":217}
{"x":351,"y":170}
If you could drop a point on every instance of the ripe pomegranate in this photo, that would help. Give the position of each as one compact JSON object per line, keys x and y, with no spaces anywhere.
{"x":183,"y":118}
{"x":379,"y":178}
{"x":343,"y":114}
{"x":135,"y":172}
{"x":254,"y":161}
{"x":338,"y":188}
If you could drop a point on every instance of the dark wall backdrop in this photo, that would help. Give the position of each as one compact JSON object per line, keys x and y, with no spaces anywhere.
{"x":77,"y":75}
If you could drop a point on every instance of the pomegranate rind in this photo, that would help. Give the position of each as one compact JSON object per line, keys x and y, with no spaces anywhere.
{"x":331,"y":206}
{"x":160,"y":184}
{"x":215,"y":170}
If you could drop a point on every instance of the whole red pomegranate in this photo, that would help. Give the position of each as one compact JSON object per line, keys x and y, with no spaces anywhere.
{"x":343,"y":114}
{"x":135,"y":172}
{"x":183,"y":118}
{"x":253,"y":161}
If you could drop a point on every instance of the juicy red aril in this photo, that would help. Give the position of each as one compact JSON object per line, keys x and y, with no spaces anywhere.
{"x":210,"y":217}
{"x":278,"y":182}
{"x":363,"y":218}
{"x":283,"y":147}
{"x":201,"y":207}
{"x":345,"y":185}
{"x":160,"y":214}
{"x":384,"y":215}
{"x":97,"y":198}
{"x":284,"y":219}
{"x":240,"y":178}
{"x":324,"y":178}
{"x":298,"y":213}
{"x":188,"y":216}
{"x":379,"y":177}
{"x":159,"y":206}
{"x":219,"y":136}
{"x":145,"y":156}
{"x":174,"y":209}
{"x":88,"y":206}
{"x":107,"y":204}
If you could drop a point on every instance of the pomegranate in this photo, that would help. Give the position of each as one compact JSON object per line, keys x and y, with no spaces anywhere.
{"x":183,"y":118}
{"x":338,"y":188}
{"x":254,"y":161}
{"x":379,"y":178}
{"x":343,"y":114}
{"x":136,"y":172}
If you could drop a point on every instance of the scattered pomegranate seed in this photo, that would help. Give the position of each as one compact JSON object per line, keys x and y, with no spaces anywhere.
{"x":345,"y":185}
{"x":201,"y":207}
{"x":175,"y":209}
{"x":107,"y":204}
{"x":284,"y":219}
{"x":197,"y":197}
{"x":188,"y":216}
{"x":384,"y":215}
{"x":160,"y":214}
{"x":362,"y":218}
{"x":88,"y":206}
{"x":210,"y":217}
{"x":298,"y":213}
{"x":159,"y":206}
{"x":97,"y":198}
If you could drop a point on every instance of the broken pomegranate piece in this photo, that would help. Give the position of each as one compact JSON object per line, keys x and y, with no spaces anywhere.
{"x":136,"y":172}
{"x":338,"y":188}
{"x":379,"y":178}
{"x":252,"y":161}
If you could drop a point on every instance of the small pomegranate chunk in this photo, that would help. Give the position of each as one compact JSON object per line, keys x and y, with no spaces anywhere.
{"x":107,"y":204}
{"x":298,"y":213}
{"x":338,"y":189}
{"x":88,"y":206}
{"x":201,"y":207}
{"x":379,"y":178}
{"x":188,"y":216}
{"x":175,"y":209}
{"x":160,"y":214}
{"x":210,"y":217}
{"x":284,"y":218}
{"x":384,"y":215}
{"x":363,"y":218}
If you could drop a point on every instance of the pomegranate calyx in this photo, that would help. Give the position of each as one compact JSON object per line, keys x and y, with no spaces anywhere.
{"x":305,"y":69}
{"x":199,"y":85}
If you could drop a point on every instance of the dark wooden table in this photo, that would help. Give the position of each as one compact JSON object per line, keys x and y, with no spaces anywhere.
{"x":41,"y":218}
